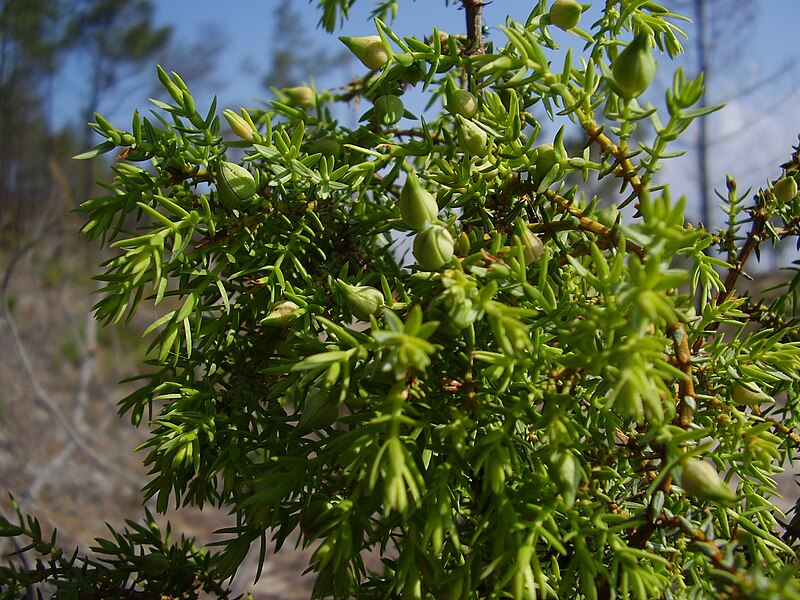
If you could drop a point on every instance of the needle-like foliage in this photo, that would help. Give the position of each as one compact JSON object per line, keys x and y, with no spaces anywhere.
{"x":520,"y":396}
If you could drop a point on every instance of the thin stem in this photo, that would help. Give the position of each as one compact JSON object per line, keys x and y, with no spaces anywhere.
{"x":764,"y":315}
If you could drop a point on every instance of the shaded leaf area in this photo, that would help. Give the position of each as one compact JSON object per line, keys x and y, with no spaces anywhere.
{"x":139,"y":562}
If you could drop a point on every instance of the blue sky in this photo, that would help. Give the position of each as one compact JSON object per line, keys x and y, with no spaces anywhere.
{"x":753,"y":133}
{"x":247,"y":31}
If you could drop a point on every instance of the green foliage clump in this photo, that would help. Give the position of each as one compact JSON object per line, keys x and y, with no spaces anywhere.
{"x":527,"y":407}
{"x":142,"y":557}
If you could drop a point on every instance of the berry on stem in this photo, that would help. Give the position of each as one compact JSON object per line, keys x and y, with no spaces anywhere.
{"x":418,"y":206}
{"x":701,"y":480}
{"x":460,"y":102}
{"x":235,"y":185}
{"x":388,"y":109}
{"x":369,"y":49}
{"x":635,"y":67}
{"x":361,"y":300}
{"x":565,"y":14}
{"x":785,"y":190}
{"x":433,"y":247}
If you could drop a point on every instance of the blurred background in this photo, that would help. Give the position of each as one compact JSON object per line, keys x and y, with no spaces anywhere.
{"x":65,"y":455}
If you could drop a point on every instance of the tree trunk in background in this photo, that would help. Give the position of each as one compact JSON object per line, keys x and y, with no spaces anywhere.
{"x":702,"y":142}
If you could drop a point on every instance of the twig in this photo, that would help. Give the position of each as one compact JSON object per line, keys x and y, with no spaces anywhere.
{"x":683,"y":356}
{"x":754,"y":238}
{"x":417,"y":133}
{"x":698,"y":537}
{"x":474,"y":10}
{"x":586,"y":223}
{"x":781,"y":428}
{"x":763,"y":315}
{"x":758,"y":233}
{"x":625,"y":169}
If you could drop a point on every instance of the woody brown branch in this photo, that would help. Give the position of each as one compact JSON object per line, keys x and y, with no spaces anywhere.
{"x":588,"y":224}
{"x":626,"y":169}
{"x":474,"y":10}
{"x":683,"y":358}
{"x":585,"y":223}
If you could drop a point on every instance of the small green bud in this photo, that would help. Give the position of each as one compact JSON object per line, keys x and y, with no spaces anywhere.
{"x":748,"y":394}
{"x":327,"y":146}
{"x":463,"y":246}
{"x":433,"y":247}
{"x":239,"y":125}
{"x":315,"y":517}
{"x":785,"y":190}
{"x":472,"y":138}
{"x":388,"y":109}
{"x":235,"y":185}
{"x":730,"y":182}
{"x":564,"y":472}
{"x":301,"y":96}
{"x":282,"y":314}
{"x":320,"y":411}
{"x":635,"y":67}
{"x":565,"y":14}
{"x":460,"y":102}
{"x":369,"y":49}
{"x":532,"y":246}
{"x":361,"y":300}
{"x":544,"y":158}
{"x":701,"y":481}
{"x":418,"y":206}
{"x":154,"y":564}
